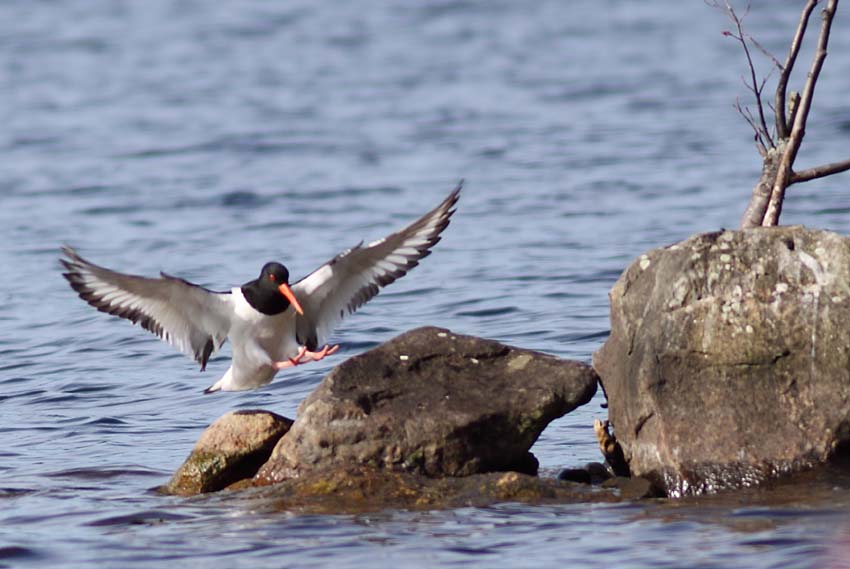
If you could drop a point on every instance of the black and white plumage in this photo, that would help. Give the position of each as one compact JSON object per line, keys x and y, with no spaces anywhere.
{"x":270,"y":324}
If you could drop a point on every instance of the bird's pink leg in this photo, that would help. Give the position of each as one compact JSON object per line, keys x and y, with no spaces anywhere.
{"x":292,"y":362}
{"x":326,"y":351}
{"x":305,"y":356}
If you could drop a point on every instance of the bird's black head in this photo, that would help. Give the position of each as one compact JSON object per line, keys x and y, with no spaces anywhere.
{"x":274,"y":274}
{"x":270,"y":292}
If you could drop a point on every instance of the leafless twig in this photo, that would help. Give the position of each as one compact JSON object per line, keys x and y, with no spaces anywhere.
{"x":765,"y":52}
{"x":753,"y":84}
{"x":798,"y":128}
{"x":791,"y":110}
{"x":748,"y":116}
{"x":820,"y":171}
{"x":785,"y":74}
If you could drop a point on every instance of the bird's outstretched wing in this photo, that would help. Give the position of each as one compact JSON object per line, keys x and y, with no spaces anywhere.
{"x":192,"y":318}
{"x":350,"y":279}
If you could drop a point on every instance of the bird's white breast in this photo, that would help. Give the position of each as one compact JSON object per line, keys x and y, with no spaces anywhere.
{"x":253,"y":331}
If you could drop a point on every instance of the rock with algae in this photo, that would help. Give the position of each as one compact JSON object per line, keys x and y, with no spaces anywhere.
{"x":365,"y":489}
{"x":231,"y":449}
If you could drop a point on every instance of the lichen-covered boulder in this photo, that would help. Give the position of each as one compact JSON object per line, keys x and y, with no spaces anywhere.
{"x":729,"y":357}
{"x":231,"y":449}
{"x":432,"y":402}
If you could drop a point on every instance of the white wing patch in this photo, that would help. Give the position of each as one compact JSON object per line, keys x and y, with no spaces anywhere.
{"x":321,"y":275}
{"x":350,"y":279}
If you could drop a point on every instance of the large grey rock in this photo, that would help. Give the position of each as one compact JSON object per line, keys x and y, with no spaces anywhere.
{"x":431,"y":402}
{"x":729,"y":357}
{"x":231,"y":449}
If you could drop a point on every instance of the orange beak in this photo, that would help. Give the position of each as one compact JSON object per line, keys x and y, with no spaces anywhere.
{"x":287,"y":292}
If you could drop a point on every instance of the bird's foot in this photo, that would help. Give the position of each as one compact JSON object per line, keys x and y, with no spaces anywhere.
{"x":320,"y":355}
{"x":304,"y":356}
{"x":292,"y":362}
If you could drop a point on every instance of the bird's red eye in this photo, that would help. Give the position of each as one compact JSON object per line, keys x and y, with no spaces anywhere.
{"x":271,"y":277}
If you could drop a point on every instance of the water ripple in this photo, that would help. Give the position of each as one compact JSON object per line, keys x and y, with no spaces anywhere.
{"x":151,"y":517}
{"x":15,"y":552}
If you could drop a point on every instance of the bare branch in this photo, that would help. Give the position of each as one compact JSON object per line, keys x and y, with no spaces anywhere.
{"x":753,"y":84}
{"x":782,"y":84}
{"x":758,"y":98}
{"x":798,"y":129}
{"x":793,"y":105}
{"x":820,"y":171}
{"x":766,"y":53}
{"x":759,"y":136}
{"x":754,"y":214}
{"x":748,"y":116}
{"x":763,"y":83}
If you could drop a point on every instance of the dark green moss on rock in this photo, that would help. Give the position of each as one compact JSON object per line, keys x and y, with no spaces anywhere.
{"x":231,"y":449}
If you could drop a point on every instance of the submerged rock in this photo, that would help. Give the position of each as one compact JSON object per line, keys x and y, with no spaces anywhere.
{"x":729,"y":357}
{"x":590,"y":473}
{"x":231,"y":449}
{"x":633,"y":487}
{"x":432,"y":402}
{"x":362,"y":489}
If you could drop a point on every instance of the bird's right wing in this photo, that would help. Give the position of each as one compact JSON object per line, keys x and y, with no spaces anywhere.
{"x":350,"y":279}
{"x":193,"y":319}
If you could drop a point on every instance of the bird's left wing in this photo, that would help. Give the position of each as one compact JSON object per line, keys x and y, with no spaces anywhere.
{"x":350,"y":279}
{"x":191,"y":318}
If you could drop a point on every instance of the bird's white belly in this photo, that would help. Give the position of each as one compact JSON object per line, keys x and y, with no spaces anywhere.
{"x":274,"y":335}
{"x":258,"y":340}
{"x":270,"y":340}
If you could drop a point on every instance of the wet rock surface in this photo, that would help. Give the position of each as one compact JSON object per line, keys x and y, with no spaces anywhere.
{"x":431,"y":419}
{"x":231,"y":449}
{"x":431,"y":402}
{"x":728,"y":361}
{"x":590,"y":473}
{"x":362,"y":489}
{"x":633,"y":488}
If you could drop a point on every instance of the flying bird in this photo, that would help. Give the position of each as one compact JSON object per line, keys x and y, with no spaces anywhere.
{"x":271,"y":324}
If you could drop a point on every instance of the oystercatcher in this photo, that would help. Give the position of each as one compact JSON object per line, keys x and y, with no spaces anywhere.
{"x":271,"y":324}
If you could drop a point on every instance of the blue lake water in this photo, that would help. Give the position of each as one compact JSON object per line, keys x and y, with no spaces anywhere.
{"x":204,"y":139}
